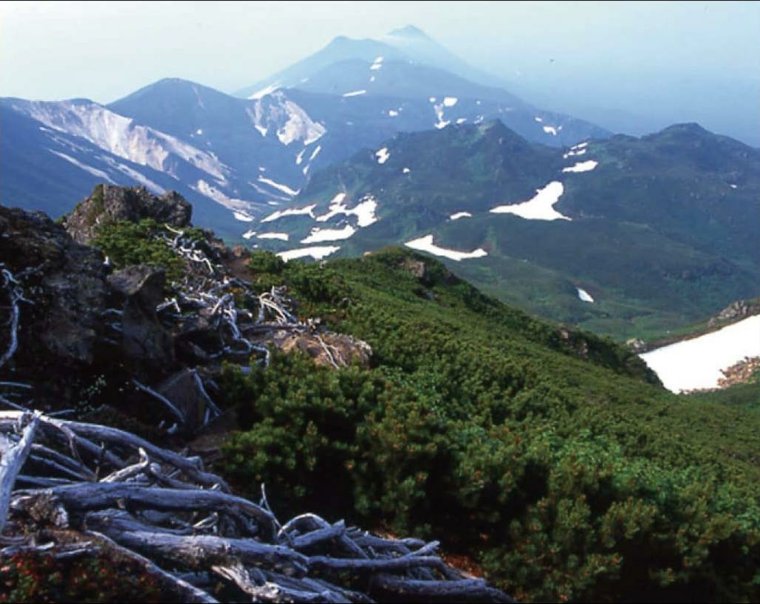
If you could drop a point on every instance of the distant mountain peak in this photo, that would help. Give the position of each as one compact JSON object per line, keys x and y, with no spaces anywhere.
{"x":692,"y":127}
{"x":409,"y":31}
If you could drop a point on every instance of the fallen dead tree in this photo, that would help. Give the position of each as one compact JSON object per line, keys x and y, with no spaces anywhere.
{"x":13,"y":292}
{"x":184,"y":527}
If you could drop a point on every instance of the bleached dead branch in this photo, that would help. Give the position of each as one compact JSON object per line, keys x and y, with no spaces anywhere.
{"x":197,"y":539}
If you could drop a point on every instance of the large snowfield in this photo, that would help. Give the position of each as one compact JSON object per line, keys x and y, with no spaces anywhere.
{"x":696,"y":364}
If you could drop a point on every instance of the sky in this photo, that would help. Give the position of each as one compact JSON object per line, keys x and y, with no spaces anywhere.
{"x":616,"y":61}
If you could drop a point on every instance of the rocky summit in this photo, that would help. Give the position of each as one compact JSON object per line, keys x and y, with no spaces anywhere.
{"x":109,"y":204}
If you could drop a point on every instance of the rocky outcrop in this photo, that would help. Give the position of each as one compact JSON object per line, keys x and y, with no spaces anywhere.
{"x":143,"y":337}
{"x":740,"y":309}
{"x":64,"y":283}
{"x":326,"y":349}
{"x":111,"y":203}
{"x":742,"y":372}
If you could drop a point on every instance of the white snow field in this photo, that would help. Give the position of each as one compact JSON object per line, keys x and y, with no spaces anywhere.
{"x":697,"y":363}
{"x":540,"y":207}
{"x":425,"y":244}
{"x":317,"y":252}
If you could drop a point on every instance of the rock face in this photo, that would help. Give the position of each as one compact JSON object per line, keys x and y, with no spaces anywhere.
{"x":110,"y":203}
{"x":64,"y":280}
{"x":90,"y":336}
{"x":735,"y":311}
{"x":143,"y":337}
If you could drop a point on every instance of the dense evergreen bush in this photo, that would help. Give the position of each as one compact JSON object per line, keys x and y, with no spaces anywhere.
{"x":566,"y":474}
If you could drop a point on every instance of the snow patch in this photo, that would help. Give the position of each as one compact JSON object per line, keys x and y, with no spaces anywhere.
{"x":583,"y":295}
{"x":121,"y":136}
{"x":318,"y":235}
{"x":299,"y":157}
{"x":265,"y":91}
{"x":316,"y":252}
{"x":697,"y":363}
{"x":280,"y":236}
{"x":540,"y":207}
{"x":573,"y":153}
{"x":133,"y":174}
{"x":392,"y":113}
{"x":450,"y":101}
{"x":242,"y":216}
{"x":307,"y":211}
{"x":732,"y":186}
{"x":299,"y":126}
{"x":382,"y":155}
{"x":249,"y":234}
{"x":406,"y":170}
{"x":582,"y":166}
{"x":461,"y":120}
{"x":354,"y":93}
{"x":315,"y":152}
{"x":284,"y":188}
{"x":538,"y":119}
{"x":552,"y":130}
{"x":221,"y":198}
{"x":377,"y":64}
{"x":458,"y":215}
{"x":365,"y":210}
{"x":425,"y":244}
{"x":85,"y":167}
{"x":441,"y":123}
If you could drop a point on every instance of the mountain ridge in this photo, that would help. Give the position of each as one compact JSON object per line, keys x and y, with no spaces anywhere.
{"x":627,"y":199}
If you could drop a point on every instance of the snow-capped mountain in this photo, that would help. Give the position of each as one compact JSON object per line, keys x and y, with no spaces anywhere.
{"x":250,"y":155}
{"x":407,"y":66}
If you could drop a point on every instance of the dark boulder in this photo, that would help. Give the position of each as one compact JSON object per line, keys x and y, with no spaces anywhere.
{"x":64,"y":282}
{"x":143,"y":338}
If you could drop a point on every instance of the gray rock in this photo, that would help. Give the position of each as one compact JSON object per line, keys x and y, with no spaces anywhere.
{"x":182,"y":390}
{"x":111,"y":203}
{"x":143,"y":337}
{"x":64,"y":281}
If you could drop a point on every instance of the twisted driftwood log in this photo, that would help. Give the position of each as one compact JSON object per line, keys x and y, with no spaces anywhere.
{"x":183,"y":526}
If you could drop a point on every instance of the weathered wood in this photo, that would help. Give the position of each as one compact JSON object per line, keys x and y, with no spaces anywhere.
{"x":108,"y":521}
{"x":237,"y":541}
{"x":93,"y":496}
{"x":130,"y":471}
{"x":319,"y":536}
{"x":12,"y":460}
{"x":162,"y":399}
{"x":15,"y":295}
{"x":189,"y":593}
{"x":326,"y":563}
{"x":203,"y":551}
{"x":115,"y":436}
{"x":472,"y":590}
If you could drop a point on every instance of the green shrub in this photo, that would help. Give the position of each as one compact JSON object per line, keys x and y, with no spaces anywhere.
{"x":127,"y":243}
{"x":569,"y":477}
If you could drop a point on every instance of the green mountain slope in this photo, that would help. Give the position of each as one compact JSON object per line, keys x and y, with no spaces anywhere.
{"x":659,"y":230}
{"x":551,"y":457}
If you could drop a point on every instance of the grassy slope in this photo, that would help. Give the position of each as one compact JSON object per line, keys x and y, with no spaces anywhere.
{"x":660,"y":237}
{"x":547,"y":455}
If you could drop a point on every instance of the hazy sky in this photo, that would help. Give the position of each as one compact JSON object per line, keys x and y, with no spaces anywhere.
{"x":623,"y":56}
